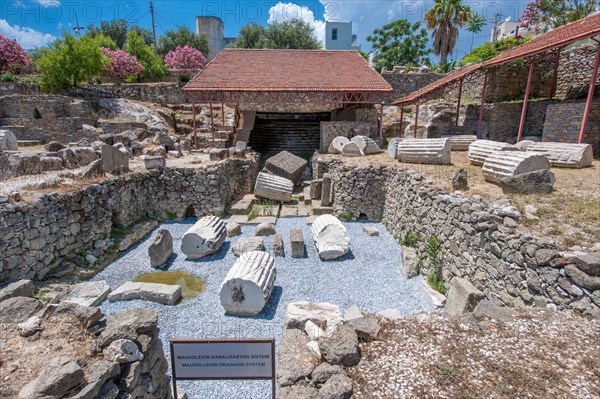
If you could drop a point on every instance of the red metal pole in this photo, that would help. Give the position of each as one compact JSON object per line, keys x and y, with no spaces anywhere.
{"x":212,"y":124}
{"x":555,"y":76}
{"x":483,"y":91}
{"x":381,"y":122}
{"x":223,"y":113}
{"x":588,"y":103}
{"x":194,"y":125}
{"x":401,"y":121}
{"x":460,"y":88}
{"x":526,"y":100}
{"x":416,"y":121}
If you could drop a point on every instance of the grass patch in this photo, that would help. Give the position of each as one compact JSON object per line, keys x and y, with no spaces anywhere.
{"x":347,"y":216}
{"x":118,"y":232}
{"x":251,"y":213}
{"x":436,"y":282}
{"x":171,"y":215}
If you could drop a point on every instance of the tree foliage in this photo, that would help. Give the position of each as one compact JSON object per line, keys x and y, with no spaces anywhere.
{"x":445,"y":18}
{"x":545,"y":14}
{"x":69,"y":62}
{"x":181,"y":37}
{"x":488,"y":50}
{"x":400,"y":43}
{"x":121,"y":64}
{"x":117,"y":31}
{"x":292,"y":34}
{"x":185,"y":58}
{"x":12,"y":56}
{"x":154,"y":67}
{"x":475,"y":24}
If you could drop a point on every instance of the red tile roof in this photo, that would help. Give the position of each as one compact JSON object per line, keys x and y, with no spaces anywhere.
{"x":288,"y":70}
{"x":558,"y":38}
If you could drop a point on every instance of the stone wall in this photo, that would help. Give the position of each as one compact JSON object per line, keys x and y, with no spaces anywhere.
{"x":331,"y":130}
{"x":160,"y":93}
{"x":287,"y":108}
{"x":8,"y":88}
{"x":563,"y":123}
{"x":511,"y":268}
{"x":405,"y":83}
{"x":59,"y":228}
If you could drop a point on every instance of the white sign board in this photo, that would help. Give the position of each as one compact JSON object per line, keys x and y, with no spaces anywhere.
{"x":235,"y":359}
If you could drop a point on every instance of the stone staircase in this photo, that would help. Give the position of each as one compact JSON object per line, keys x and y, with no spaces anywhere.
{"x":184,"y":121}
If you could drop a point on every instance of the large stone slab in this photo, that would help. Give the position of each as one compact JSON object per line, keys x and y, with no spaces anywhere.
{"x":331,"y":237}
{"x":425,"y":151}
{"x":461,"y":142}
{"x":204,"y":238}
{"x":91,"y":293}
{"x":18,"y":309}
{"x":249,"y":284}
{"x":538,"y":182}
{"x":154,"y":163}
{"x":60,"y":375}
{"x":479,"y":150}
{"x":161,"y":248}
{"x":160,"y":293}
{"x":337,"y":145}
{"x":565,"y":155}
{"x":273,"y":187}
{"x":114,"y":161}
{"x":504,"y":164}
{"x":462,"y":297}
{"x":287,"y":165}
{"x":8,"y":141}
{"x":18,"y":288}
{"x":247,"y":244}
{"x":322,"y":314}
{"x":366,"y":145}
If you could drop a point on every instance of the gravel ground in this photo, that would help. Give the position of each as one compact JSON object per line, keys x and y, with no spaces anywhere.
{"x":369,"y":277}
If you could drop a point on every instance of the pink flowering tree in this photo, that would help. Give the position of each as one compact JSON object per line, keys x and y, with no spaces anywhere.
{"x":185,"y":57}
{"x":122,"y":65}
{"x":546,"y":14}
{"x":12,"y":56}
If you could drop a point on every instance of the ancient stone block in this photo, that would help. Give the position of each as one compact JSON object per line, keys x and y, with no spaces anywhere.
{"x":460,"y":181}
{"x":426,"y":151}
{"x":462,"y":297}
{"x":524,"y":144}
{"x":114,"y":161}
{"x":278,"y":249}
{"x":247,"y":244}
{"x":8,"y":141}
{"x":287,"y":165}
{"x":298,"y":313}
{"x":6,"y":168}
{"x":218,"y":154}
{"x":241,"y":145}
{"x":479,"y":150}
{"x":502,"y":164}
{"x":297,"y":243}
{"x":327,"y":190}
{"x":342,"y":347}
{"x":92,"y":170}
{"x":588,"y":263}
{"x":295,"y":360}
{"x":316,"y":187}
{"x":160,"y":293}
{"x":565,"y":155}
{"x":461,"y":142}
{"x":233,"y":229}
{"x":540,"y":181}
{"x":330,"y":237}
{"x":58,"y":377}
{"x":18,"y":288}
{"x":265,"y":229}
{"x":248,"y":285}
{"x":25,"y":164}
{"x":91,"y":293}
{"x":51,"y":163}
{"x":204,"y":238}
{"x":151,"y":162}
{"x":352,"y":150}
{"x":366,"y":145}
{"x":337,"y":145}
{"x":161,"y":248}
{"x":273,"y":187}
{"x":392,"y":148}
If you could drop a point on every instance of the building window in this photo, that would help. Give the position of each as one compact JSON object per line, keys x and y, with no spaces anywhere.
{"x":334,"y":34}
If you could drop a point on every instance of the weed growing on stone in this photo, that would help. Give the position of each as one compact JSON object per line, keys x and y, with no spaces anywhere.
{"x":251,"y":214}
{"x":118,"y":232}
{"x":435,"y":280}
{"x":171,"y":215}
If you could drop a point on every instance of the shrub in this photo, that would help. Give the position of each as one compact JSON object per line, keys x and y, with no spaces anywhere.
{"x":490,"y":50}
{"x":154,"y":67}
{"x":12,"y":56}
{"x":185,"y":58}
{"x":184,"y":78}
{"x":121,"y":64}
{"x":8,"y":77}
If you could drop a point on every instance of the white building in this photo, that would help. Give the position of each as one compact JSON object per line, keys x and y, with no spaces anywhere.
{"x":338,"y":36}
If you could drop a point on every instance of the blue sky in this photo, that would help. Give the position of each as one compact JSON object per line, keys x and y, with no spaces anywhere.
{"x":37,"y":22}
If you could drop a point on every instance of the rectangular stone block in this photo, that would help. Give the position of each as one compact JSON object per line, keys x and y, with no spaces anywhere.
{"x":327,"y":190}
{"x":287,"y":165}
{"x":297,"y":242}
{"x":114,"y":161}
{"x":316,"y":187}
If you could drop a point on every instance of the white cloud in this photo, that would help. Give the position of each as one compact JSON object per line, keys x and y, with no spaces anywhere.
{"x":28,"y":38}
{"x":286,"y":11}
{"x":48,"y":3}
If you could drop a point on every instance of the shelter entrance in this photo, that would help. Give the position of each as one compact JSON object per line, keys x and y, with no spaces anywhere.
{"x":294,"y":132}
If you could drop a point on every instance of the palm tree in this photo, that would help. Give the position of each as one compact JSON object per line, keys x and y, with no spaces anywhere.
{"x":474,"y":25}
{"x":445,"y":17}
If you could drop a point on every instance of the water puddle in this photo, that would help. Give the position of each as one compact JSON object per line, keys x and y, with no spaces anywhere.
{"x":191,"y":285}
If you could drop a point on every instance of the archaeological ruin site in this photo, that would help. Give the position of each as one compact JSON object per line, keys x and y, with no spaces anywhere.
{"x":403,"y":234}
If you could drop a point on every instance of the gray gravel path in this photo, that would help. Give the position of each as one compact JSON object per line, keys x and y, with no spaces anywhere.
{"x":369,"y":277}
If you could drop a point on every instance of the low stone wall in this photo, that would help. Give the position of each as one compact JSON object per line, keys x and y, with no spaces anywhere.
{"x":405,"y":83}
{"x":8,"y":88}
{"x":563,"y":123}
{"x":160,"y":93}
{"x":331,"y":130}
{"x":511,"y":268}
{"x":61,"y":228}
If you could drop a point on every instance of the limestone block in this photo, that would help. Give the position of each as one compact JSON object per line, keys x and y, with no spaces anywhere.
{"x":322,"y":314}
{"x":218,"y":154}
{"x":352,"y":150}
{"x":278,"y":248}
{"x":247,"y":244}
{"x":160,"y":293}
{"x":204,"y":238}
{"x":273,"y":187}
{"x":233,"y":229}
{"x":241,"y":145}
{"x":51,"y":163}
{"x":366,"y":145}
{"x":502,"y":164}
{"x":8,"y":141}
{"x":337,"y":145}
{"x":327,"y":190}
{"x":287,"y":165}
{"x":114,"y":161}
{"x":249,"y":284}
{"x":297,"y":243}
{"x":316,"y":187}
{"x":83,"y":155}
{"x":18,"y":288}
{"x":480,"y":149}
{"x":540,"y":181}
{"x":462,"y":297}
{"x":151,"y":162}
{"x":392,"y":148}
{"x":330,"y":237}
{"x":565,"y":155}
{"x":265,"y":229}
{"x":461,"y":142}
{"x":25,"y":164}
{"x":161,"y":248}
{"x":425,"y":151}
{"x":91,"y":293}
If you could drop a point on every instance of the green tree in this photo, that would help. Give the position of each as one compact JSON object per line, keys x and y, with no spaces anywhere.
{"x":555,"y":13}
{"x":154,"y":67}
{"x":117,"y":30}
{"x":69,"y":62}
{"x":475,"y":24}
{"x":445,"y":18}
{"x":488,"y":50}
{"x":292,"y":34}
{"x":400,"y":43}
{"x":181,"y":37}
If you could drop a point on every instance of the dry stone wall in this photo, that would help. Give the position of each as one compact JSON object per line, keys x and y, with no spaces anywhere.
{"x":405,"y":83}
{"x":159,"y":93}
{"x":563,"y":123}
{"x":331,"y":130}
{"x":58,"y":228}
{"x":511,"y":268}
